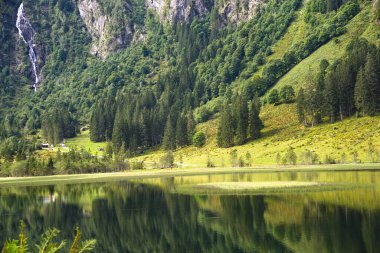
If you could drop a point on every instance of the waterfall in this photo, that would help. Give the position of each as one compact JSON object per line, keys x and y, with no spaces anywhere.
{"x":26,"y":32}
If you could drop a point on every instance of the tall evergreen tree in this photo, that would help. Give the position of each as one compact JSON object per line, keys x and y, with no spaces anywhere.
{"x":255,"y":122}
{"x":330,"y":98}
{"x":241,"y":119}
{"x":225,"y":136}
{"x":190,"y":126}
{"x":360,"y":95}
{"x":372,"y":78}
{"x":181,"y":132}
{"x":168,"y":141}
{"x":119,"y":130}
{"x":301,"y":106}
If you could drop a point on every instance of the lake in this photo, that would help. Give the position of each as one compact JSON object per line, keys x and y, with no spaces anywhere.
{"x":148,"y":215}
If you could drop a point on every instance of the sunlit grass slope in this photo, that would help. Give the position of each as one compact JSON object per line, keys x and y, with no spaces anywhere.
{"x":362,"y":25}
{"x":282,"y":131}
{"x":83,"y":141}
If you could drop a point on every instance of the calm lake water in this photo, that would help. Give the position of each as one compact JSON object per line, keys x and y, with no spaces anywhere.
{"x":146,"y":216}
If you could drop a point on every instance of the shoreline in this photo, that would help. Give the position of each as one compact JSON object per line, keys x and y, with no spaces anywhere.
{"x":157,"y":173}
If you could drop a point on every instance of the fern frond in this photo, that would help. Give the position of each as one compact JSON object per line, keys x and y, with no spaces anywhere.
{"x":46,"y":241}
{"x":75,"y":245}
{"x":10,"y":247}
{"x":23,"y":240}
{"x":87,"y":246}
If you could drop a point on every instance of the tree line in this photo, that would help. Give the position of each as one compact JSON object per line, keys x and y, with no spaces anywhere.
{"x":58,"y":124}
{"x":134,"y":122}
{"x":239,"y":121}
{"x":348,"y":86}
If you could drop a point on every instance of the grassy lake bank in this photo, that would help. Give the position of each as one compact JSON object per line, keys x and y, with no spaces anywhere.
{"x":157,"y":173}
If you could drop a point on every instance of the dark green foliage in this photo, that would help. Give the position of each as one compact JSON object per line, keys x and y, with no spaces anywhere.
{"x":255,"y":123}
{"x":287,"y":94}
{"x":349,"y":85}
{"x":240,"y":119}
{"x":225,"y":136}
{"x":168,"y":142}
{"x":181,"y":137}
{"x":58,"y":124}
{"x":199,"y":139}
{"x":235,"y":127}
{"x":273,"y":97}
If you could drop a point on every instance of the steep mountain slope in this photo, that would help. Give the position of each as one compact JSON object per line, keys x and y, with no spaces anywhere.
{"x":137,"y":71}
{"x":360,"y":26}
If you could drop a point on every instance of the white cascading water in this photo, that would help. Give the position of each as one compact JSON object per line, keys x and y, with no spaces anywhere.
{"x":26,"y":32}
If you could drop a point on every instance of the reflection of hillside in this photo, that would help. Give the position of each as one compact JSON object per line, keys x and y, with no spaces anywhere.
{"x":368,"y":196}
{"x":325,"y":228}
{"x":127,"y":217}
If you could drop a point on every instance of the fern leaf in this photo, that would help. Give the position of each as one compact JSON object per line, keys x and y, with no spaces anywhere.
{"x":75,"y":245}
{"x":87,"y":246}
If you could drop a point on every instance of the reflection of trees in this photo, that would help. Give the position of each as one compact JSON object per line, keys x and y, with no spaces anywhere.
{"x":126,"y":217}
{"x":327,"y":228}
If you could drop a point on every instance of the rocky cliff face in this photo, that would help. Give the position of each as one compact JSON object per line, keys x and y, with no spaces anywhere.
{"x":231,"y":12}
{"x":178,"y":10}
{"x":237,"y":11}
{"x":99,"y":26}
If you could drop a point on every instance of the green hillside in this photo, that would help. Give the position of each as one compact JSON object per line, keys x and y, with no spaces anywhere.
{"x":282,"y":131}
{"x":362,"y":25}
{"x":147,"y":83}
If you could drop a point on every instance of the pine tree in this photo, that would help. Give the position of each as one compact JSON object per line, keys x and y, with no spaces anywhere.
{"x":241,"y":119}
{"x":168,"y":141}
{"x":190,"y":126}
{"x":255,"y":123}
{"x":301,"y":104}
{"x":181,"y":132}
{"x":371,"y":75}
{"x":225,"y":134}
{"x":360,"y":92}
{"x":119,"y":130}
{"x":330,"y":98}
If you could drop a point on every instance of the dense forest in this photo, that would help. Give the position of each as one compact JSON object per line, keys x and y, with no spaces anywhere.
{"x":346,"y":87}
{"x":154,"y":91}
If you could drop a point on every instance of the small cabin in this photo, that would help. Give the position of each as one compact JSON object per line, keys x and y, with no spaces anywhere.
{"x":45,"y":145}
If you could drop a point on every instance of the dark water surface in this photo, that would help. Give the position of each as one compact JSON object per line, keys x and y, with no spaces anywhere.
{"x":144,"y":216}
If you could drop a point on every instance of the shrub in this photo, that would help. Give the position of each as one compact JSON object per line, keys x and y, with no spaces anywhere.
{"x":167,"y":161}
{"x":287,"y":94}
{"x":329,"y":160}
{"x":290,"y":157}
{"x":273,"y":97}
{"x":199,"y":139}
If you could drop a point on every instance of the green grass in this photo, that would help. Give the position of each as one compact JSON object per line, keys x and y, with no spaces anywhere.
{"x":361,"y":25}
{"x":270,"y":187}
{"x":282,"y":131}
{"x":83,"y":141}
{"x":164,"y":173}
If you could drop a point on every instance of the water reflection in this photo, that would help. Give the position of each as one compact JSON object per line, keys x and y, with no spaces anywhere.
{"x":131,"y":217}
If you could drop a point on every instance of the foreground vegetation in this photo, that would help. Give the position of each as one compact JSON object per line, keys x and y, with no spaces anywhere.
{"x":48,"y":243}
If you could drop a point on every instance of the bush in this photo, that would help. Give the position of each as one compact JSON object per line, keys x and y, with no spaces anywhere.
{"x":199,"y":139}
{"x":329,"y":160}
{"x":290,"y":157}
{"x":287,"y":94}
{"x":167,"y":161}
{"x":309,"y":157}
{"x":273,"y":97}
